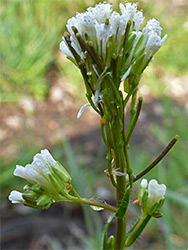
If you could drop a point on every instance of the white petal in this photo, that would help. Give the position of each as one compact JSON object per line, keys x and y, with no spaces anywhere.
{"x":156,"y":191}
{"x":19,"y":171}
{"x":153,"y":26}
{"x":153,"y":44}
{"x":138,"y":20}
{"x":164,"y":39}
{"x":101,"y":11}
{"x":82,"y":110}
{"x":144,"y":183}
{"x":16,"y":197}
{"x":63,"y":47}
{"x":126,"y":73}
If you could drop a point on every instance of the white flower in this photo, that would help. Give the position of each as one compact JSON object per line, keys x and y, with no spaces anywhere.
{"x":43,"y":171}
{"x":101,"y":12}
{"x":16,"y":197}
{"x":151,"y":196}
{"x":156,"y":191}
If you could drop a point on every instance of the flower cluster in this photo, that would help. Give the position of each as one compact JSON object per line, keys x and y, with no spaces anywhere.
{"x":151,"y":197}
{"x":106,"y":44}
{"x":47,"y":181}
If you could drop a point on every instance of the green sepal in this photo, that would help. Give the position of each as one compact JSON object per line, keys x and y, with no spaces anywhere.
{"x":144,"y":199}
{"x":157,"y":215}
{"x":30,"y":196}
{"x":140,"y":46}
{"x":27,"y":187}
{"x":111,"y":242}
{"x":109,"y":54}
{"x":131,"y":81}
{"x":153,"y":209}
{"x":130,"y":42}
{"x":161,"y":202}
{"x":137,"y":67}
{"x":63,"y":174}
{"x":127,"y":85}
{"x":124,"y":204}
{"x":37,"y":188}
{"x":72,"y":60}
{"x":56,"y":182}
{"x":44,"y":200}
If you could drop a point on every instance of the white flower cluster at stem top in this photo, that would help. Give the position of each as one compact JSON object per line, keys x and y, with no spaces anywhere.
{"x":113,"y":35}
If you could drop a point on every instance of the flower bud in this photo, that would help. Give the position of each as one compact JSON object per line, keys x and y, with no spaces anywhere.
{"x":151,"y":197}
{"x":44,"y":200}
{"x":16,"y":197}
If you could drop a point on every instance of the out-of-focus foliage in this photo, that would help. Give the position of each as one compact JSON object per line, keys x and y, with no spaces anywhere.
{"x":172,"y":171}
{"x":30,"y":32}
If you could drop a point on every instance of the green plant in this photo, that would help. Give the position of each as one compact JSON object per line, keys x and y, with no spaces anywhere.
{"x":108,"y":48}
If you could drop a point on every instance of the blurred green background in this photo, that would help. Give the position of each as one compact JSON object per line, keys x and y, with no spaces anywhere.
{"x":41,"y":92}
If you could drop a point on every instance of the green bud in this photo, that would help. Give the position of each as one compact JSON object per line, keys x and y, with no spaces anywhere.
{"x":127,"y":85}
{"x":30,"y":198}
{"x":43,"y":200}
{"x":30,"y":195}
{"x":37,"y":188}
{"x":110,"y":242}
{"x":27,"y":187}
{"x":157,"y":215}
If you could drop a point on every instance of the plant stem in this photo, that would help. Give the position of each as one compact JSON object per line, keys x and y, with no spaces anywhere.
{"x":94,"y":203}
{"x":134,"y":121}
{"x":158,"y":159}
{"x":137,"y":230}
{"x":120,"y":164}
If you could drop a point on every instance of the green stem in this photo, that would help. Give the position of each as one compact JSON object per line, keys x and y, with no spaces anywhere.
{"x":137,"y":230}
{"x":92,"y":104}
{"x":134,"y":121}
{"x":93,"y":203}
{"x":120,"y":164}
{"x":134,"y":88}
{"x":110,"y":219}
{"x":109,"y":164}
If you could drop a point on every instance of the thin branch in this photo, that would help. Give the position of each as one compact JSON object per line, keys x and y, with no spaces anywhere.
{"x":134,"y":121}
{"x":158,"y":159}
